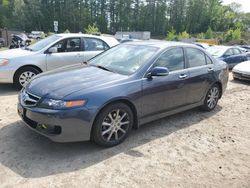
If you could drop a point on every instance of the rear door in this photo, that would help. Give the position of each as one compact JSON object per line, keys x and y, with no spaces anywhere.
{"x":161,"y":94}
{"x":201,"y":72}
{"x":92,"y":47}
{"x":68,"y":53}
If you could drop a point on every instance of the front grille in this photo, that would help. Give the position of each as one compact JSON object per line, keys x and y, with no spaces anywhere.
{"x":28,"y":99}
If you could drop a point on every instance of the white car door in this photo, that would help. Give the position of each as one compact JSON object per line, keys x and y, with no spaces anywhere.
{"x":92,"y":47}
{"x":69,"y":52}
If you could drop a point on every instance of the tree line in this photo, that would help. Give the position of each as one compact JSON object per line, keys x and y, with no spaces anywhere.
{"x":157,"y":16}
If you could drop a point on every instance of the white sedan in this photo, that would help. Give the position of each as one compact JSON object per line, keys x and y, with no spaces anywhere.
{"x":18,"y":66}
{"x":242,"y":71}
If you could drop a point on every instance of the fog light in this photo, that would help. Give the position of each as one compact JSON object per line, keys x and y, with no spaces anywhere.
{"x":42,"y":126}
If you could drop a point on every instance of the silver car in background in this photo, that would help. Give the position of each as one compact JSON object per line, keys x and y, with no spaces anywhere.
{"x":18,"y":66}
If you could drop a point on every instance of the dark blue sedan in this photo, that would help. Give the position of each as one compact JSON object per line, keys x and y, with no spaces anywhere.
{"x":120,"y":89}
{"x":231,"y":55}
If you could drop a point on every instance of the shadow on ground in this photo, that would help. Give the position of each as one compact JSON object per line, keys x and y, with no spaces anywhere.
{"x":31,"y":155}
{"x":237,"y":81}
{"x":8,"y":89}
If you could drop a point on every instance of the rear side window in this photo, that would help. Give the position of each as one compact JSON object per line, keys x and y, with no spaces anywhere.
{"x":172,"y":59}
{"x":93,"y":44}
{"x":236,"y":51}
{"x":195,"y":57}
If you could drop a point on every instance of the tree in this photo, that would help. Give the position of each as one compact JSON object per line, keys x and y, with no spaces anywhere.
{"x":92,"y":29}
{"x":157,"y":16}
{"x":209,"y":33}
{"x":171,"y":35}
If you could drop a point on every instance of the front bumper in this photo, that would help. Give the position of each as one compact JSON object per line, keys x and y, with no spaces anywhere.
{"x":6,"y":74}
{"x":241,"y":76}
{"x":59,"y":125}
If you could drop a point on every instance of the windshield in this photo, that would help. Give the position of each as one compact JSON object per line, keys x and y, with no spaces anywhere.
{"x":43,"y":43}
{"x":124,"y":59}
{"x":215,"y":51}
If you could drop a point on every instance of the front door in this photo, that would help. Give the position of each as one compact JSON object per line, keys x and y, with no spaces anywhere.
{"x":69,"y":52}
{"x":161,"y":94}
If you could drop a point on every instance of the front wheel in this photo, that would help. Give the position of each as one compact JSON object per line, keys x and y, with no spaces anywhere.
{"x":212,"y":98}
{"x":24,"y":75}
{"x":112,"y":125}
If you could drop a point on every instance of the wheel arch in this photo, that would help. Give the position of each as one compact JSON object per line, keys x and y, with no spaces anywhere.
{"x":120,"y":100}
{"x":24,"y":66}
{"x":220,"y":86}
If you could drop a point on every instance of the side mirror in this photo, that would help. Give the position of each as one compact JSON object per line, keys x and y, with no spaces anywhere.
{"x":52,"y":50}
{"x":158,"y":71}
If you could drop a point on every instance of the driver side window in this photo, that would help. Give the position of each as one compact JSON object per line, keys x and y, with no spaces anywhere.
{"x":172,"y":59}
{"x":68,"y":45}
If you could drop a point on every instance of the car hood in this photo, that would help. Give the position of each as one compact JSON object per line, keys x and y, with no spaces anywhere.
{"x":14,"y":53}
{"x":243,"y":67}
{"x":62,"y":82}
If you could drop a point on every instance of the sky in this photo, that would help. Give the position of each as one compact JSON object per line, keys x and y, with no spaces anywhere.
{"x":245,"y":4}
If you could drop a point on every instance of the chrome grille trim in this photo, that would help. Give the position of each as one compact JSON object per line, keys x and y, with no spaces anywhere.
{"x":28,"y":99}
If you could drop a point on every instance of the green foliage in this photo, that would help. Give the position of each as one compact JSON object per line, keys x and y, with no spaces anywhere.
{"x":171,"y":35}
{"x":92,"y":29}
{"x":232,"y":35}
{"x":209,"y":33}
{"x":183,"y":35}
{"x":156,"y":16}
{"x":201,"y":36}
{"x":50,"y":34}
{"x":66,"y":31}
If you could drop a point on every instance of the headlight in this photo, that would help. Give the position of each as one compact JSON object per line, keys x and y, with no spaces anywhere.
{"x":4,"y":62}
{"x":60,"y":104}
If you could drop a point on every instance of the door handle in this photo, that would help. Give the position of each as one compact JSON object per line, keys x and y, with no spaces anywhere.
{"x":210,"y":70}
{"x":183,"y":76}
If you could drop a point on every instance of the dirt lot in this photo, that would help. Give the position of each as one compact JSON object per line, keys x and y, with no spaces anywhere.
{"x":191,"y":149}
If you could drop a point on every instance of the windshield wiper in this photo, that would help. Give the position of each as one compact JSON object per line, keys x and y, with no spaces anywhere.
{"x":85,"y":63}
{"x":103,"y":68}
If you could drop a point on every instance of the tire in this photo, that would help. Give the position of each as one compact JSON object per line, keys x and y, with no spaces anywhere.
{"x":22,"y":74}
{"x":212,"y":98}
{"x":108,"y":130}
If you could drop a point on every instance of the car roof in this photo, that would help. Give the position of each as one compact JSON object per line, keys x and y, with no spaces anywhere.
{"x":82,"y":35}
{"x":110,"y":40}
{"x":224,"y":47}
{"x":162,"y":44}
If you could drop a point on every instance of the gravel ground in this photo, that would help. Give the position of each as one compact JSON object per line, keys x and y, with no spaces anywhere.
{"x":191,"y":149}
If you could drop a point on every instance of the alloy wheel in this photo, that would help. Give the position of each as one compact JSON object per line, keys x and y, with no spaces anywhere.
{"x":115,"y":125}
{"x":25,"y":77}
{"x":213,"y":97}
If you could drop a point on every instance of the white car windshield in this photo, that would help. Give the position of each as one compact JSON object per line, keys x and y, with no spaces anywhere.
{"x":43,"y":43}
{"x":124,"y":59}
{"x":216,"y":51}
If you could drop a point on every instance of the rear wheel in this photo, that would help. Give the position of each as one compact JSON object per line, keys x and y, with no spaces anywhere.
{"x":112,"y":125}
{"x":212,"y":98}
{"x":24,"y":75}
